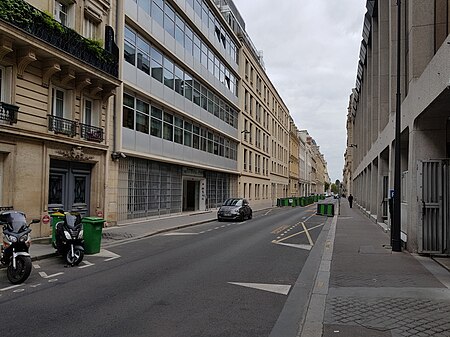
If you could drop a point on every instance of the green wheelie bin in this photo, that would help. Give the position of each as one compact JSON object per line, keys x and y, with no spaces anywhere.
{"x":55,"y":218}
{"x":92,"y":233}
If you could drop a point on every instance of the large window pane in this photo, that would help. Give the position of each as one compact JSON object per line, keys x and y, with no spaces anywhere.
{"x":142,"y":122}
{"x":156,"y":128}
{"x":128,"y":118}
{"x":129,"y":52}
{"x":178,"y":136}
{"x":157,"y":12}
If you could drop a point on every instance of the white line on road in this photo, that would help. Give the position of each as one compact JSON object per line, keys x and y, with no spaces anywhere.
{"x":44,"y":274}
{"x":282,"y":289}
{"x":308,"y":235}
{"x":86,"y":264}
{"x":10,"y":287}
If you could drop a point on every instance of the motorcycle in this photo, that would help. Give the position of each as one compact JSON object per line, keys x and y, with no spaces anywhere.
{"x":16,"y":244}
{"x":69,"y":238}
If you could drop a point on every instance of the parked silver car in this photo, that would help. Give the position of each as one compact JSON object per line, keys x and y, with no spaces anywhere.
{"x":235,"y":209}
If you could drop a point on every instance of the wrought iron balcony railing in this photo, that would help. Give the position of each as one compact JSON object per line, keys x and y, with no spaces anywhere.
{"x":62,"y":125}
{"x":41,"y":25}
{"x":8,"y":112}
{"x":91,"y":133}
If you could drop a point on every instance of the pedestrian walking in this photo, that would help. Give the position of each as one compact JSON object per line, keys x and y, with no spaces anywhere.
{"x":350,"y":200}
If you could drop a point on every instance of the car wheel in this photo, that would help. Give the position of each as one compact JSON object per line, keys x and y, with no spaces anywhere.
{"x":219,"y":219}
{"x":250,"y":215}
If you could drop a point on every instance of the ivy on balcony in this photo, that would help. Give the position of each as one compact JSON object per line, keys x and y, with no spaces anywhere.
{"x":41,"y":25}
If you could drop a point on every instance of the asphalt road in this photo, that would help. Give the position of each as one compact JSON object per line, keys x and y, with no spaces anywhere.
{"x":225,"y":279}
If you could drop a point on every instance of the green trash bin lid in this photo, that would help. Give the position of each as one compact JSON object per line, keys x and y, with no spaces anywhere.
{"x":92,"y":219}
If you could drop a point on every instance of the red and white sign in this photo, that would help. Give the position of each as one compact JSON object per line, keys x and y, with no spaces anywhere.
{"x":100,"y":214}
{"x":46,"y":219}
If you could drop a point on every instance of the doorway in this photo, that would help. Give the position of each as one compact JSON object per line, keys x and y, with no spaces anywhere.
{"x":191,"y":194}
{"x":69,"y":186}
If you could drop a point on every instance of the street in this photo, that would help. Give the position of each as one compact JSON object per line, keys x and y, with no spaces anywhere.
{"x":216,"y":279}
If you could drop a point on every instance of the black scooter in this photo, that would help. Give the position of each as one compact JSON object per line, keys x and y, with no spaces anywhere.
{"x":69,"y":238}
{"x":16,"y":244}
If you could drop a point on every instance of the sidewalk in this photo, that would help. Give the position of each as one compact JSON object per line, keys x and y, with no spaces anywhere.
{"x":362,"y":288}
{"x":41,"y":249}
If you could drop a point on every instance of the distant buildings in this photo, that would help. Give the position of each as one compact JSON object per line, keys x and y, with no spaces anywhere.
{"x":140,"y":109}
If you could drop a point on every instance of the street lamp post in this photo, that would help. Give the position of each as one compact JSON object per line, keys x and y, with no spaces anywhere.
{"x":396,"y":225}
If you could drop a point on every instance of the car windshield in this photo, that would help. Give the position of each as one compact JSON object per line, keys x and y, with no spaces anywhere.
{"x":233,"y":202}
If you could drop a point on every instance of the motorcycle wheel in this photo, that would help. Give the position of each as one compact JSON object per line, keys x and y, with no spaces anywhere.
{"x":76,"y":258}
{"x":22,"y":271}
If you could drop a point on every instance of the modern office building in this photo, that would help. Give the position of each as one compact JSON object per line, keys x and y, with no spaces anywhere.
{"x":177,"y":140}
{"x":56,"y":87}
{"x":425,"y":120}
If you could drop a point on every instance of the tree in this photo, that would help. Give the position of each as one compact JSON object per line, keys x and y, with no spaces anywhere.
{"x":326,"y":186}
{"x":334,"y":188}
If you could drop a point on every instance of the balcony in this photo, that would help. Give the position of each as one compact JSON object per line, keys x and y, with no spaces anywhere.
{"x":8,"y":112}
{"x":62,"y":126}
{"x":22,"y":15}
{"x":91,"y":133}
{"x":68,"y":127}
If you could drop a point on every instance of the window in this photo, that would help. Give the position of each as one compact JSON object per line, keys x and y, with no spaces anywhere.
{"x":2,"y":86}
{"x":143,"y":55}
{"x":62,"y":12}
{"x":179,"y":80}
{"x":187,"y":134}
{"x":142,"y":116}
{"x":157,"y":12}
{"x":178,"y":130}
{"x":156,"y":64}
{"x":179,"y":31}
{"x":196,"y":137}
{"x":168,"y":127}
{"x":129,"y":46}
{"x":168,"y":73}
{"x":90,"y":29}
{"x":245,"y":161}
{"x":169,"y":19}
{"x":128,"y":112}
{"x":88,"y":112}
{"x":156,"y":122}
{"x":58,"y":102}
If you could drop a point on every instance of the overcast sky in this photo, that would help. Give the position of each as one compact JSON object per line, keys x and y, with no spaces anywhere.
{"x":311,"y":50}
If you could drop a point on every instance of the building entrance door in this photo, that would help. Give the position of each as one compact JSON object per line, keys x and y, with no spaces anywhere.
{"x":69,"y":186}
{"x":191,"y":194}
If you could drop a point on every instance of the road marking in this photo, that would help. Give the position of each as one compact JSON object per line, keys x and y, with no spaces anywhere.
{"x":308,"y":235}
{"x":44,"y":274}
{"x":179,"y":233}
{"x":273,"y":288}
{"x":35,"y":285}
{"x":10,"y":287}
{"x":291,"y":236}
{"x":108,"y":254}
{"x":86,"y":264}
{"x":36,"y":266}
{"x":294,"y":245}
{"x":270,"y":210}
{"x":279,"y":229}
{"x":19,"y":290}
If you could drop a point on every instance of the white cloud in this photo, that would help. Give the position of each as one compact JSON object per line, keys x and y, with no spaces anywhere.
{"x":311,"y":49}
